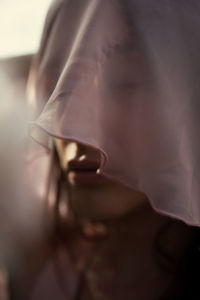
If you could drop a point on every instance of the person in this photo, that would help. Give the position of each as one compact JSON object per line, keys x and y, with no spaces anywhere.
{"x":113,"y":98}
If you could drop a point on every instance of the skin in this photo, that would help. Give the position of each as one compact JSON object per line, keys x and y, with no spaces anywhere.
{"x":105,"y":200}
{"x":126,"y":74}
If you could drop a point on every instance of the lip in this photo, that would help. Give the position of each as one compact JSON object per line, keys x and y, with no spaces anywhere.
{"x":85,"y":177}
{"x":84,"y":165}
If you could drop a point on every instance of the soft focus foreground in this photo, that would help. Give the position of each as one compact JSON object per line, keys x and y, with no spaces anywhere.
{"x":18,"y":214}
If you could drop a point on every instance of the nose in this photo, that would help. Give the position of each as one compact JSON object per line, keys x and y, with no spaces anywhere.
{"x":76,"y":156}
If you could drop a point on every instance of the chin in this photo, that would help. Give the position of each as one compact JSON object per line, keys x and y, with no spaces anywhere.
{"x":105,"y":201}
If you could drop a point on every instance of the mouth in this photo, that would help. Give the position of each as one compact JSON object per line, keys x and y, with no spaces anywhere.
{"x":84,"y":172}
{"x":85,"y":177}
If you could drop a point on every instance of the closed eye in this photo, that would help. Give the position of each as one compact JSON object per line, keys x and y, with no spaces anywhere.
{"x":125,"y":86}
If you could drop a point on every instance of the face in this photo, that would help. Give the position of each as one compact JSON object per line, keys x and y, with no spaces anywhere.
{"x":125,"y":74}
{"x":91,"y":194}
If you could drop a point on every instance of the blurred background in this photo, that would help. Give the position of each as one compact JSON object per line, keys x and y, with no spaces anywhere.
{"x":21,"y":24}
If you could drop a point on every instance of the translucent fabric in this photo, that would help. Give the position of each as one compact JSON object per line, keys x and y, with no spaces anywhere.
{"x":123,"y":77}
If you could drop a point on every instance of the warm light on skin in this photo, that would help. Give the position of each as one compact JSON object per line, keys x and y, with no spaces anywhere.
{"x":52,"y":200}
{"x":105,"y":201}
{"x":63,"y":209}
{"x":94,"y":229}
{"x":82,"y":157}
{"x":71,"y":178}
{"x":66,"y":153}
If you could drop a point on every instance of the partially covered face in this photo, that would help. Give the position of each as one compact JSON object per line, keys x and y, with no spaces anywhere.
{"x":91,"y":194}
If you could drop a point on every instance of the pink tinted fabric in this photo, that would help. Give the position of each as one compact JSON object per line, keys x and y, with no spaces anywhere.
{"x":123,"y":77}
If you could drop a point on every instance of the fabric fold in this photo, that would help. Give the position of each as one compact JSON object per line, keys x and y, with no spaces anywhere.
{"x":122,"y":77}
